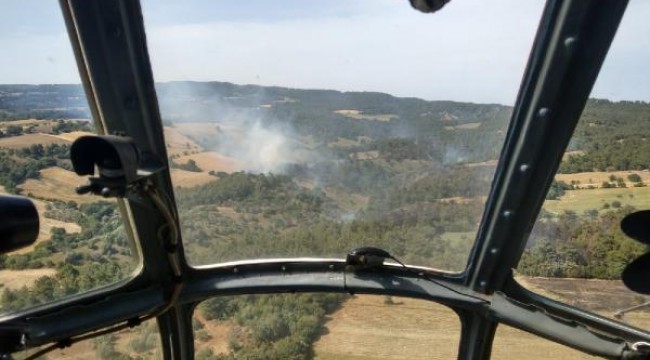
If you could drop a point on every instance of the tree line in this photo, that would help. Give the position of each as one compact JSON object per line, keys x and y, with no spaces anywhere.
{"x":590,"y":246}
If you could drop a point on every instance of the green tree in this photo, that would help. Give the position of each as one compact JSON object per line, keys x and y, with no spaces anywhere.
{"x":635,"y":178}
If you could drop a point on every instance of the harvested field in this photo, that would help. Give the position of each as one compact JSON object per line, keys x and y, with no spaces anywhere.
{"x":602,"y":296}
{"x":371,"y":327}
{"x":185,"y":179}
{"x":56,"y":184}
{"x":16,"y":279}
{"x":511,"y":343}
{"x":213,"y":161}
{"x":343,"y":143}
{"x":365,"y":155}
{"x":484,"y":163}
{"x":27,"y":140}
{"x":359,"y":115}
{"x":122,"y":343}
{"x":368,"y":328}
{"x":469,"y":126}
{"x":74,"y":135}
{"x":588,"y":199}
{"x":178,"y":144}
{"x":198,"y":130}
{"x":596,"y":178}
{"x":466,"y":126}
{"x":462,"y":200}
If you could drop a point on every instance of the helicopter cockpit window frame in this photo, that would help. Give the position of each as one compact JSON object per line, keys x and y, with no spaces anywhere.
{"x":109,"y":41}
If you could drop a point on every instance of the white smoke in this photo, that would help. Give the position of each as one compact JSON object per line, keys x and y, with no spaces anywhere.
{"x":244,"y":134}
{"x":262,"y":149}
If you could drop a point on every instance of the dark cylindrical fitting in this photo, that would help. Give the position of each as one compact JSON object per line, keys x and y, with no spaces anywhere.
{"x":19,"y":223}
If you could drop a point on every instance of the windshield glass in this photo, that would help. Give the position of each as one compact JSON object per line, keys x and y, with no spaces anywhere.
{"x":324,"y":327}
{"x":512,"y":343}
{"x":82,"y":243}
{"x":369,"y":124}
{"x":604,"y":175}
{"x":142,"y":342}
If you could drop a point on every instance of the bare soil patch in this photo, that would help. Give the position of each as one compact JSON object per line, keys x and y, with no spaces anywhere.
{"x":218,"y":331}
{"x":229,"y":212}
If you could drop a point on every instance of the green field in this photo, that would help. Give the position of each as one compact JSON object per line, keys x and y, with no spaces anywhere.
{"x":588,"y":199}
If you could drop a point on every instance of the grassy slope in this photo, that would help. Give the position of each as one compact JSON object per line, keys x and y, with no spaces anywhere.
{"x":56,"y":184}
{"x":27,"y":140}
{"x":366,"y":328}
{"x":587,"y":199}
{"x":596,"y":178}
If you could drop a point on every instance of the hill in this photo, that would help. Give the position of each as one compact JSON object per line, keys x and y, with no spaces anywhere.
{"x":55,"y":183}
{"x":611,"y":136}
{"x":27,"y":140}
{"x":267,"y":172}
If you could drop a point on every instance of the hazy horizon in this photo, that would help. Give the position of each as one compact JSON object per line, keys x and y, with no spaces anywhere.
{"x":471,"y":51}
{"x":329,"y":89}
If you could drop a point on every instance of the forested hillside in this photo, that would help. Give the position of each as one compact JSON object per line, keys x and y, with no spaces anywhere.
{"x":611,"y":136}
{"x":604,"y":177}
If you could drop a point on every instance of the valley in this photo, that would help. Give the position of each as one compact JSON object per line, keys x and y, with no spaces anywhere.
{"x":318,"y":173}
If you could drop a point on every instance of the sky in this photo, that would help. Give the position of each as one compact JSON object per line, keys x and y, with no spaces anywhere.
{"x":472,"y":50}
